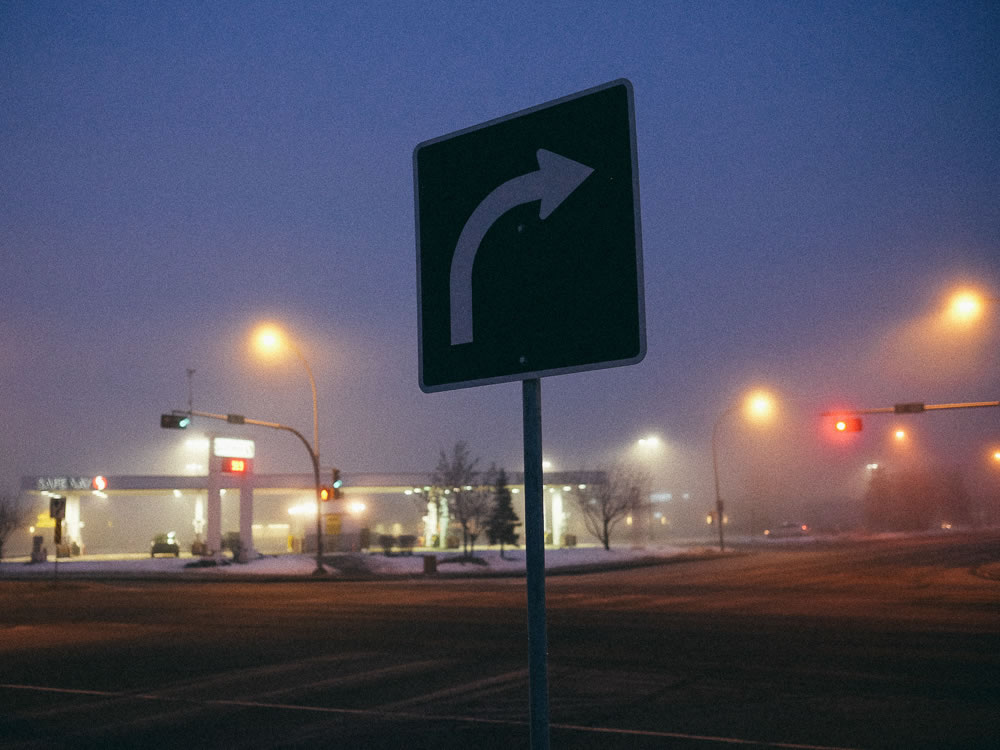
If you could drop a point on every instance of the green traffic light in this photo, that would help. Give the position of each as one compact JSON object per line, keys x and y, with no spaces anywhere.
{"x":174,"y":421}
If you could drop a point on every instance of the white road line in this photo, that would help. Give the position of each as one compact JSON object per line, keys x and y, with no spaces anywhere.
{"x":479,"y":687}
{"x":355,"y":678}
{"x":249,"y":674}
{"x":410,"y":716}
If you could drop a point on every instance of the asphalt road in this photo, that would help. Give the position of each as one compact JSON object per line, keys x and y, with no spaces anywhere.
{"x":887,"y":644}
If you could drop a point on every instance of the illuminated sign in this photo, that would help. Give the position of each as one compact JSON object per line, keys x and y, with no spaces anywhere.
{"x":233,"y":448}
{"x":232,"y":465}
{"x":48,"y":484}
{"x":99,"y":483}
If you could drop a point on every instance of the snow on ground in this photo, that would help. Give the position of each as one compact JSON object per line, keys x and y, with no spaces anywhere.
{"x":514,"y":559}
{"x":488,"y":562}
{"x":145,"y":565}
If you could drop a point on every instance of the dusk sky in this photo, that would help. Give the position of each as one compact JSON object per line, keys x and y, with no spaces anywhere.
{"x":815,"y":178}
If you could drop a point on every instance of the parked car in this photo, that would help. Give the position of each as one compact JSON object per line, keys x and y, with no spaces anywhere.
{"x":165,"y":544}
{"x":787,"y":530}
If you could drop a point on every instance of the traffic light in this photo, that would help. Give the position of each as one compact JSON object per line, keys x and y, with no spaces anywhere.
{"x":337,"y":484}
{"x":326,"y":493}
{"x":848,"y":424}
{"x":174,"y":421}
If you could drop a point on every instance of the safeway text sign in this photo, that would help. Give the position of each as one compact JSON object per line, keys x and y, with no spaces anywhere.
{"x":529,"y":252}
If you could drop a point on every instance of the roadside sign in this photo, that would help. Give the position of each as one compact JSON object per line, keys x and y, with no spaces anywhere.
{"x":57,"y":507}
{"x":529,"y":252}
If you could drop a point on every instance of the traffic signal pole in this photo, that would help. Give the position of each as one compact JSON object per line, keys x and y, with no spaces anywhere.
{"x":313,"y":456}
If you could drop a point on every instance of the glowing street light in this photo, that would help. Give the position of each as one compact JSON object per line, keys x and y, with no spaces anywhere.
{"x":269,"y":341}
{"x":758,"y":407}
{"x":900,"y":435}
{"x":966,"y":306}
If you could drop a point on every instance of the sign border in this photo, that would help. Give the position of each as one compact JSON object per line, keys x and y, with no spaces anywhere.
{"x":641,"y":295}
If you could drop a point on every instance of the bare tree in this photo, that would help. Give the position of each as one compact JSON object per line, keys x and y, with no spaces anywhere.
{"x":14,"y":514}
{"x":458,"y":486}
{"x":606,"y":504}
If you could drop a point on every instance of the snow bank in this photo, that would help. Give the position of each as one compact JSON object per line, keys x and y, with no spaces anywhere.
{"x":487,"y":561}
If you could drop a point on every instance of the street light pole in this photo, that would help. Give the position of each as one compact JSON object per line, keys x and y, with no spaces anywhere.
{"x":758,"y":405}
{"x":269,"y":338}
{"x":312,"y":385}
{"x":320,"y":570}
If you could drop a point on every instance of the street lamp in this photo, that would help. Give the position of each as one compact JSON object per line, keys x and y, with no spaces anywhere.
{"x":270,"y":341}
{"x":966,"y":305}
{"x":758,"y":406}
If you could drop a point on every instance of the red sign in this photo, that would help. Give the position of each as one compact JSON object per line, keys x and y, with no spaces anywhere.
{"x":236,"y":465}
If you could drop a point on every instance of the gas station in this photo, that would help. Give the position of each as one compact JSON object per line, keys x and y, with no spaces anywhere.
{"x":272,"y":513}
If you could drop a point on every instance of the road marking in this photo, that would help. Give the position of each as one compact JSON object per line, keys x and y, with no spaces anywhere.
{"x":257,"y":674}
{"x":356,"y":678}
{"x":482,"y":687}
{"x":411,"y":716}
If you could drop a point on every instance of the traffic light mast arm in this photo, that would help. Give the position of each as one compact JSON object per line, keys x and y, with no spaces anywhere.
{"x":909,"y":408}
{"x":969,"y":405}
{"x":240,"y":419}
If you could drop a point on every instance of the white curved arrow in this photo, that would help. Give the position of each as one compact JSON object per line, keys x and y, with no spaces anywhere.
{"x":555,"y":179}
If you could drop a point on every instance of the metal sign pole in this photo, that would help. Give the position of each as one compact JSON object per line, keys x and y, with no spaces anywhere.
{"x":534,"y":542}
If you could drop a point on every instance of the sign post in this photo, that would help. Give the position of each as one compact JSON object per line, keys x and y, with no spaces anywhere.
{"x":534,"y":544}
{"x":529,"y":264}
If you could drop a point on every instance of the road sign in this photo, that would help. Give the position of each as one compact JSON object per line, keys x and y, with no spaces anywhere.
{"x":529,"y":252}
{"x":57,"y":507}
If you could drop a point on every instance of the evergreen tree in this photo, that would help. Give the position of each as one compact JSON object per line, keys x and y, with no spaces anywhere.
{"x":503,"y":520}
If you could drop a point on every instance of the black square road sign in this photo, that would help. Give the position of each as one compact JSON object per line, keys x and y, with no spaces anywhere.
{"x":529,"y":252}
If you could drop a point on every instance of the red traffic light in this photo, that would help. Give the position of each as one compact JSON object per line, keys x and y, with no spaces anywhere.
{"x":848,"y":424}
